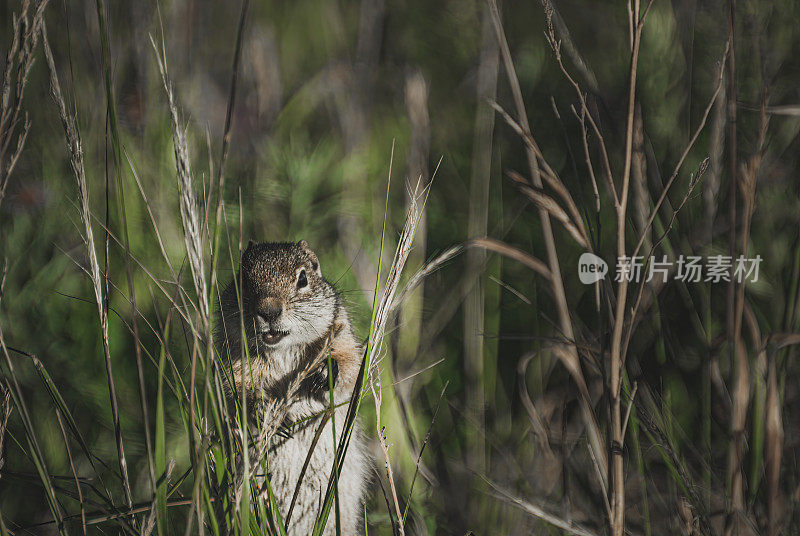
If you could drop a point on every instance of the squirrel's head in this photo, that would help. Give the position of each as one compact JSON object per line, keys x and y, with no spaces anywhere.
{"x":285,"y":299}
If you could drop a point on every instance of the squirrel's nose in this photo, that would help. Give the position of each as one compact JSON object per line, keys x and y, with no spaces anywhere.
{"x":270,"y":309}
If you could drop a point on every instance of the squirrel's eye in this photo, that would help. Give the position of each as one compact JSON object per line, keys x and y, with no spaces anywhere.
{"x":302,"y":280}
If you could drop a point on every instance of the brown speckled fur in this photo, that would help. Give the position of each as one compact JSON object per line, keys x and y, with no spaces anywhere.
{"x":309,"y":317}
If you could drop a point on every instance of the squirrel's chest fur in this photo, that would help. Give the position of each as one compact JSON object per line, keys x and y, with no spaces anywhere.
{"x":268,"y":378}
{"x":285,"y":460}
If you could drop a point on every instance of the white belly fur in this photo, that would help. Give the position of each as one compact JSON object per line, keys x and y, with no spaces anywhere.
{"x":285,"y":463}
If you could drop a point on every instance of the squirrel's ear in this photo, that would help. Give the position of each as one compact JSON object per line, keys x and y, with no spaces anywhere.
{"x":314,"y":261}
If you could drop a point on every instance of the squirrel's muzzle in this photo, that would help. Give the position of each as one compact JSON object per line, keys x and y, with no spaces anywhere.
{"x":269,"y":313}
{"x":270,"y":309}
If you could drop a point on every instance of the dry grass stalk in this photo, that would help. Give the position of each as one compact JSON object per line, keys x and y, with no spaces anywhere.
{"x":194,"y":234}
{"x":226,"y":136}
{"x":150,"y":520}
{"x":617,"y":523}
{"x":540,"y":431}
{"x":555,"y":45}
{"x":478,"y":217}
{"x":670,"y":182}
{"x":687,"y":517}
{"x":664,"y":443}
{"x":565,"y":39}
{"x":700,"y":126}
{"x":568,"y":355}
{"x":740,"y":395}
{"x":19,"y":59}
{"x":388,"y":302}
{"x":567,"y":526}
{"x":715,"y":147}
{"x":418,"y":465}
{"x":636,"y":19}
{"x":317,"y":435}
{"x":641,"y":196}
{"x":76,"y":161}
{"x":489,"y":244}
{"x":377,"y":395}
{"x":547,"y":173}
{"x":587,"y":158}
{"x":407,"y":337}
{"x":655,"y":285}
{"x":5,"y":413}
{"x":773,"y":449}
{"x":748,"y":177}
{"x":116,"y":150}
{"x":221,"y":176}
{"x":78,"y":490}
{"x":731,"y":108}
{"x":547,"y":203}
{"x":383,"y":312}
{"x":497,"y":246}
{"x":5,"y":410}
{"x":596,"y":442}
{"x":740,"y":400}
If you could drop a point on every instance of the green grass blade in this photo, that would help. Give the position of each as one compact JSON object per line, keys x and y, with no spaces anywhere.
{"x":33,"y":445}
{"x":333,"y":431}
{"x":355,"y":399}
{"x":276,"y":520}
{"x":160,"y":441}
{"x":58,"y":400}
{"x":244,"y":505}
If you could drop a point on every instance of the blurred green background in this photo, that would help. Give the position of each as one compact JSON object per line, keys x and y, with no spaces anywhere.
{"x":325,"y":91}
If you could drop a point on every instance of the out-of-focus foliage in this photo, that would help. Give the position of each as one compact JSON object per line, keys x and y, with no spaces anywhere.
{"x":325,"y":90}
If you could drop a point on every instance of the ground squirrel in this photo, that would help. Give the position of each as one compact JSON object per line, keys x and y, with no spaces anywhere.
{"x":291,"y":316}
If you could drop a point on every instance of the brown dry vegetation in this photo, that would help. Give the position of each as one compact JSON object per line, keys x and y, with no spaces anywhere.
{"x":141,"y":145}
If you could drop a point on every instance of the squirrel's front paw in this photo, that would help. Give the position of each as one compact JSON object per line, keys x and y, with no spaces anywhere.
{"x":319,"y":380}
